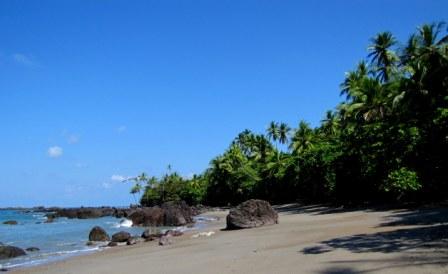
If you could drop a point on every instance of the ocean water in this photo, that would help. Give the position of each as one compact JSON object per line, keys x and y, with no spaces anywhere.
{"x":58,"y":240}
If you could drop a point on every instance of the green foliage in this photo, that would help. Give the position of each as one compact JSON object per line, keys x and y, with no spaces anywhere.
{"x":394,"y":115}
{"x":401,"y":182}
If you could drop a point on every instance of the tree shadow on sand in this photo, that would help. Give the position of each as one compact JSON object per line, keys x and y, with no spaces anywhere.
{"x":427,"y":240}
{"x":431,"y":232}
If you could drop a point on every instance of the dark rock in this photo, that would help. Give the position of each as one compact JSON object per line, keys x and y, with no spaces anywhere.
{"x":90,"y":243}
{"x":177,"y":213}
{"x":50,"y":218}
{"x":121,"y":237}
{"x":165,"y":240}
{"x":32,"y":249}
{"x":174,"y":233}
{"x":251,"y":213}
{"x":98,"y":234}
{"x":134,"y":240}
{"x":151,"y":234}
{"x":147,"y":216}
{"x":3,"y":269}
{"x":10,"y":222}
{"x":7,"y":251}
{"x":112,"y":244}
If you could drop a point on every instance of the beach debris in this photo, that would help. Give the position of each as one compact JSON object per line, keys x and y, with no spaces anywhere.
{"x":165,"y":240}
{"x":121,"y":237}
{"x":10,"y":222}
{"x":251,"y":213}
{"x":203,"y":234}
{"x":32,"y":249}
{"x":7,"y":251}
{"x":98,"y":234}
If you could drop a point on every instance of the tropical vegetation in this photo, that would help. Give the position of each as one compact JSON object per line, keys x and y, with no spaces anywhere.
{"x":386,"y":141}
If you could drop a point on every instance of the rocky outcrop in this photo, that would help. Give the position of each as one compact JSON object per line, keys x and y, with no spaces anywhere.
{"x":177,"y":213}
{"x":148,"y":216}
{"x":10,"y":222}
{"x":168,"y":214}
{"x":7,"y":251}
{"x":252,"y":213}
{"x":83,"y":212}
{"x":121,"y":237}
{"x":98,"y":234}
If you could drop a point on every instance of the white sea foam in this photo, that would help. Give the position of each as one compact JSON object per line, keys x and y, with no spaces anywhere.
{"x":123,"y":223}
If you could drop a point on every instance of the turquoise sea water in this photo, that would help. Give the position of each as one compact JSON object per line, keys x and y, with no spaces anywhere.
{"x":58,"y":240}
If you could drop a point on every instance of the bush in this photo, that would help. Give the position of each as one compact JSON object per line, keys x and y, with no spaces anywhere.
{"x":401,"y":182}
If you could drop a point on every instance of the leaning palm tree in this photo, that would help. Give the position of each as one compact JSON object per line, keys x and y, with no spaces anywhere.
{"x":137,"y":188}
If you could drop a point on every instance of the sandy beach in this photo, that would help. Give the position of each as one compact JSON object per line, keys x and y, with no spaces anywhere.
{"x":308,"y":239}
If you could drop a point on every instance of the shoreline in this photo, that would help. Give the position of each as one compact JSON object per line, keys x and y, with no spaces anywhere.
{"x":308,"y":239}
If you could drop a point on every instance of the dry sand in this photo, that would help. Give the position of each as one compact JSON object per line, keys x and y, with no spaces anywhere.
{"x":308,"y":239}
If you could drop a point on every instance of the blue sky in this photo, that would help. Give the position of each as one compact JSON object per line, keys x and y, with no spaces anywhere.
{"x":94,"y":90}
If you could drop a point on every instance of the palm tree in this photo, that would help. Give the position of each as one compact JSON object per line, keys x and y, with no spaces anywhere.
{"x":350,"y":86}
{"x":302,"y":139}
{"x":283,"y":132}
{"x":330,"y":123}
{"x":137,"y":188}
{"x":383,"y":58}
{"x":273,"y":131}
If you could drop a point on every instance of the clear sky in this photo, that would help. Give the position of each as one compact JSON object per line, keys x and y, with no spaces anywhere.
{"x":93,"y":91}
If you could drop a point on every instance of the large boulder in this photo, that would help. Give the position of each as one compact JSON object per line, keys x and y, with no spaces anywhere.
{"x":7,"y":251}
{"x":10,"y":222}
{"x":177,"y":213}
{"x":98,"y":234}
{"x":251,"y":213}
{"x":148,"y":216}
{"x":121,"y":237}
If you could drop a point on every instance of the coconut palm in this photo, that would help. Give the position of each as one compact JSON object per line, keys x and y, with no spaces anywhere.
{"x":283,"y":132}
{"x":382,"y":57}
{"x":273,"y":131}
{"x":302,"y":139}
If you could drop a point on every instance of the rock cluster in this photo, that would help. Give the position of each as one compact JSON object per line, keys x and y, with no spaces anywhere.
{"x":168,"y":214}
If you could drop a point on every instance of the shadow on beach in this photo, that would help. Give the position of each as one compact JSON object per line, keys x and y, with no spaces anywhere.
{"x":424,"y":242}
